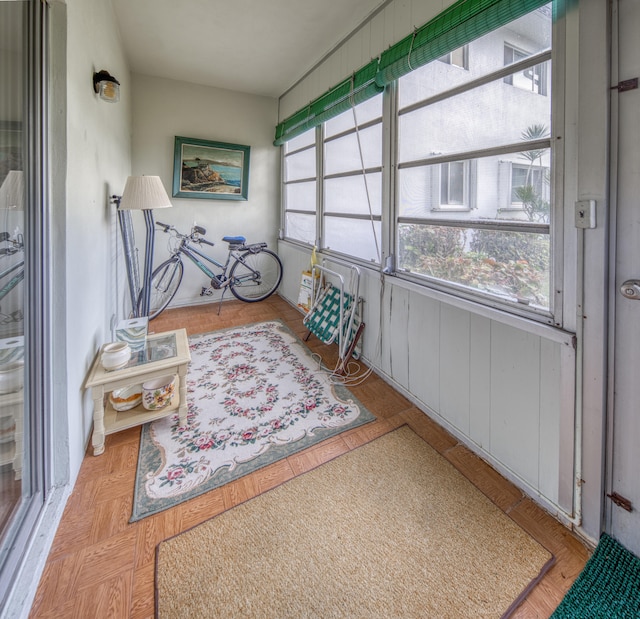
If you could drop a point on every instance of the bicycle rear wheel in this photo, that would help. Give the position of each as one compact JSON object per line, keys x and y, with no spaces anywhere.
{"x":255,"y":275}
{"x":165,"y":282}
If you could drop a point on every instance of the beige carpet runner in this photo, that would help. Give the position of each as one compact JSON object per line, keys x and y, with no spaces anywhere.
{"x":388,"y":530}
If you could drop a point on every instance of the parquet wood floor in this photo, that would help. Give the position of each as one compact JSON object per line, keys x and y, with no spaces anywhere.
{"x":100,"y":566}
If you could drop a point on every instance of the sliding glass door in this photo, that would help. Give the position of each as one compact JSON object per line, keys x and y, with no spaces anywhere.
{"x":23,"y":371}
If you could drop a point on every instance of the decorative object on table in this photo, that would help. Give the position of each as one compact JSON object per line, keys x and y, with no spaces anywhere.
{"x":212,"y":170}
{"x":390,"y":529}
{"x":11,"y":377}
{"x":607,"y":587}
{"x":126,"y":398}
{"x":133,"y":331}
{"x":115,"y":355}
{"x":157,"y":393}
{"x":11,"y":349}
{"x":255,"y":395}
{"x":143,"y":193}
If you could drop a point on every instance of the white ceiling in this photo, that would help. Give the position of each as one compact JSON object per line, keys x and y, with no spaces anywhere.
{"x":256,"y":46}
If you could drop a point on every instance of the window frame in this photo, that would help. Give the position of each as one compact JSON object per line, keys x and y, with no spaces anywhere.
{"x":552,"y":315}
{"x":561,"y":241}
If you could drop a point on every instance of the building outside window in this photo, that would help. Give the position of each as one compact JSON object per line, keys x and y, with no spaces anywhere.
{"x":458,"y":57}
{"x":500,"y":246}
{"x":471,"y":207}
{"x":533,"y":79}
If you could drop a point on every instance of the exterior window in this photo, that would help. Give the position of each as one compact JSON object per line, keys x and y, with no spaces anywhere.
{"x":452,"y":183}
{"x":300,"y":188}
{"x":458,"y":57}
{"x":533,"y":79}
{"x":352,"y":183}
{"x":473,"y":198}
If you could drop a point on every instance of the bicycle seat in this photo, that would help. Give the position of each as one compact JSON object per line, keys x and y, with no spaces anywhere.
{"x":234,"y":240}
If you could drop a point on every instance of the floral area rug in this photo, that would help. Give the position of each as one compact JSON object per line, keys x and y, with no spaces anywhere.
{"x":255,"y":396}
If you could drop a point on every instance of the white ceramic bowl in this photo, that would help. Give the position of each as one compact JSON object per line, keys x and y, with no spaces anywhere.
{"x":11,"y":377}
{"x":126,"y":398}
{"x":157,"y":393}
{"x":115,"y":355}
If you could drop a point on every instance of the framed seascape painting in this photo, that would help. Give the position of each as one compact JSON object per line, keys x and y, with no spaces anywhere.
{"x":210,"y":170}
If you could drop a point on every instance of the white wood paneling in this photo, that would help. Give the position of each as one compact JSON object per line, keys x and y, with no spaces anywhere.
{"x":424,"y":349}
{"x":480,"y":381}
{"x":399,"y":334}
{"x":454,"y":367}
{"x":506,"y":392}
{"x":548,"y":463}
{"x":515,"y":400}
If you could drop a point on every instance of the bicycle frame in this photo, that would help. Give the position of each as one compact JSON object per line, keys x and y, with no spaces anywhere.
{"x":192,"y":253}
{"x":14,"y":281}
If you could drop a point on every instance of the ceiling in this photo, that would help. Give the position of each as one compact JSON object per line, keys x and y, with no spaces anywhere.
{"x":260,"y":47}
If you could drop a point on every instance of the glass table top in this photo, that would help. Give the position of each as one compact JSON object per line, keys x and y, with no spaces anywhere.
{"x":155,"y":349}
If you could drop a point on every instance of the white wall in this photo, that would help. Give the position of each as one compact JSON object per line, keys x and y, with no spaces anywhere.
{"x":98,"y":163}
{"x":163,"y":109}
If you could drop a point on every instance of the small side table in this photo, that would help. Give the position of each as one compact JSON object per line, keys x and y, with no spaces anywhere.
{"x":163,"y":354}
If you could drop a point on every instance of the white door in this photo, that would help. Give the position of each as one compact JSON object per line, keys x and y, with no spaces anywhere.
{"x":624,"y":459}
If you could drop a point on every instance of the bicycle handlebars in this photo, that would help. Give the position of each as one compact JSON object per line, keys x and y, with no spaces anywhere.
{"x":195,"y":231}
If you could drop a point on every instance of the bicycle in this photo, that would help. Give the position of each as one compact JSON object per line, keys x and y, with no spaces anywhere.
{"x":15,"y":245}
{"x":251,"y":272}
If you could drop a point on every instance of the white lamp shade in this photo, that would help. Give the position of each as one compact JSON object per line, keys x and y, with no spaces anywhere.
{"x":12,"y":191}
{"x":144,"y":193}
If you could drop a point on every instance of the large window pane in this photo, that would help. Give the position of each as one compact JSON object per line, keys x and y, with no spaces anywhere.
{"x":300,"y":165}
{"x":301,"y":196}
{"x":304,"y":139}
{"x":513,"y":186}
{"x":485,"y":117}
{"x":301,"y":227}
{"x":530,"y":35}
{"x":363,"y":113}
{"x":510,"y":265}
{"x":350,"y":195}
{"x":347,"y":153}
{"x":12,"y":203}
{"x":354,"y":237}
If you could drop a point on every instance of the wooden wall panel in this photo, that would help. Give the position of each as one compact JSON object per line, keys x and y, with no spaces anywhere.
{"x":399,"y":334}
{"x":480,"y":381}
{"x":424,"y":349}
{"x":515,"y":400}
{"x":548,"y":465}
{"x":454,"y":367}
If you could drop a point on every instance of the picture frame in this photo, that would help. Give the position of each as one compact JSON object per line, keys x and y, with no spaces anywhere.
{"x":210,"y":170}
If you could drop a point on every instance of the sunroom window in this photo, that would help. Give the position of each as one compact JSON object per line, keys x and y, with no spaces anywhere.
{"x":498,"y":245}
{"x":300,"y":188}
{"x":352,"y":181}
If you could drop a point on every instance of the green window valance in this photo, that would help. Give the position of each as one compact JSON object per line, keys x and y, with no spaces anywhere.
{"x":351,"y":91}
{"x":461,"y":23}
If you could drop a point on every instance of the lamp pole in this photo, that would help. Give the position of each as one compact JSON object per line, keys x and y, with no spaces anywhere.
{"x":144,"y":193}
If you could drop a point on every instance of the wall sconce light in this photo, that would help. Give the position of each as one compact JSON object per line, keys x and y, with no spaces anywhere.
{"x":107,"y":86}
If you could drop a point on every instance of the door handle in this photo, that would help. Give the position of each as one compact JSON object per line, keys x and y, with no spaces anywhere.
{"x":631,"y":289}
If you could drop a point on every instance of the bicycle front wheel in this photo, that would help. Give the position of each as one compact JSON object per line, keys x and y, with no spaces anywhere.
{"x":255,"y":275}
{"x":165,"y":282}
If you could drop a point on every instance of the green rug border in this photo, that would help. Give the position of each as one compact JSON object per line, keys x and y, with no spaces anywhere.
{"x":152,"y":460}
{"x":607,"y":588}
